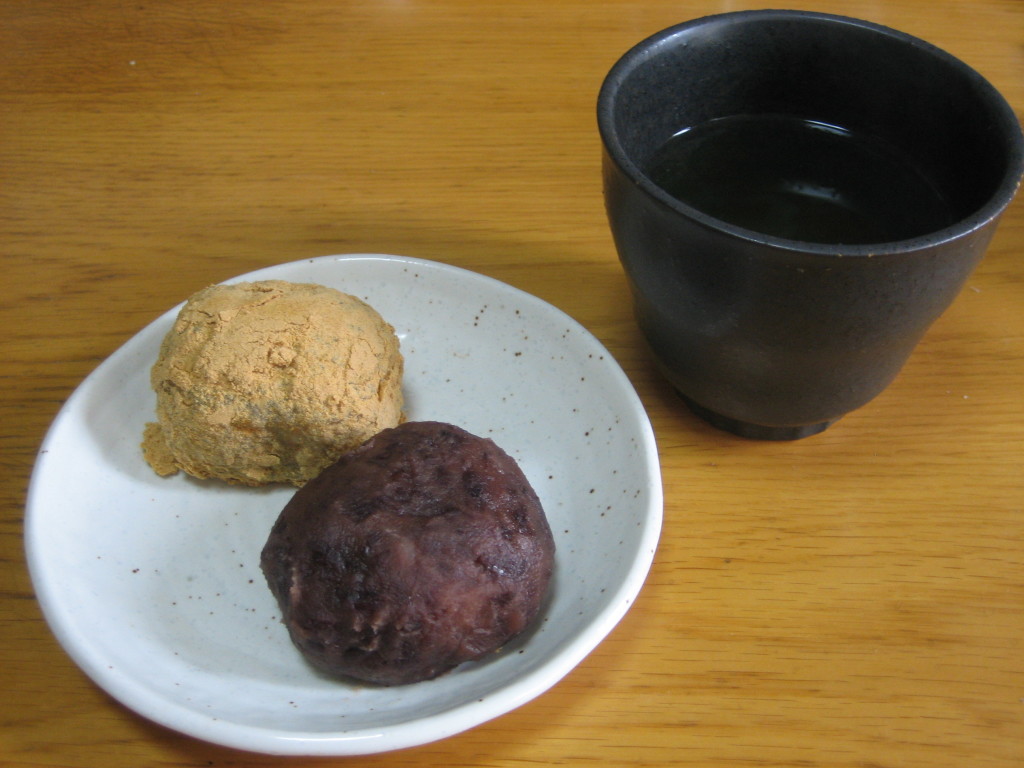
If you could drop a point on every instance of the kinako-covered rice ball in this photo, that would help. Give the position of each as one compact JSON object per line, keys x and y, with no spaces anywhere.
{"x":270,"y":382}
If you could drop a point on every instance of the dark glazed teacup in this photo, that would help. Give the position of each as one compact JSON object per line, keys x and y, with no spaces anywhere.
{"x":776,"y":338}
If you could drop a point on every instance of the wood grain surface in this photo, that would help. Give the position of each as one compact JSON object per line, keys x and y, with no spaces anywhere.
{"x":854,"y":600}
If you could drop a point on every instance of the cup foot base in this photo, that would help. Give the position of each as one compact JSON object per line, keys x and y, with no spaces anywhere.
{"x":754,"y":431}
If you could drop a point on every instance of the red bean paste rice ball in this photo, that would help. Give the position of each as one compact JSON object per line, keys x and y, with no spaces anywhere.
{"x":421,"y":549}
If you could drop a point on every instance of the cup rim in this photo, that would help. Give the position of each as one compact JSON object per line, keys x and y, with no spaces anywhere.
{"x":993,"y":207}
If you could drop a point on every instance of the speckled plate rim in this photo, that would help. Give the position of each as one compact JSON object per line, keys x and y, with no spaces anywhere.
{"x":138,"y":695}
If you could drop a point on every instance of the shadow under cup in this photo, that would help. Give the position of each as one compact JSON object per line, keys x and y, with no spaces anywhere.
{"x":772,"y":338}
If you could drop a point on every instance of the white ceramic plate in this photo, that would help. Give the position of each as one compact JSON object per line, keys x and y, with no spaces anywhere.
{"x":153,"y":585}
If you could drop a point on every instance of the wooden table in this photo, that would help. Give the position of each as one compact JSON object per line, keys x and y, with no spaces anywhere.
{"x":853,"y":599}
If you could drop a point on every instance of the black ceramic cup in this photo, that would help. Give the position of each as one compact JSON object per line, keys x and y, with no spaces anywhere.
{"x":776,"y":338}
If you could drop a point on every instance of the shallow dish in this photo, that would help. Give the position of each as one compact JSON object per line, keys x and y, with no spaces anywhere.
{"x":152,"y":585}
